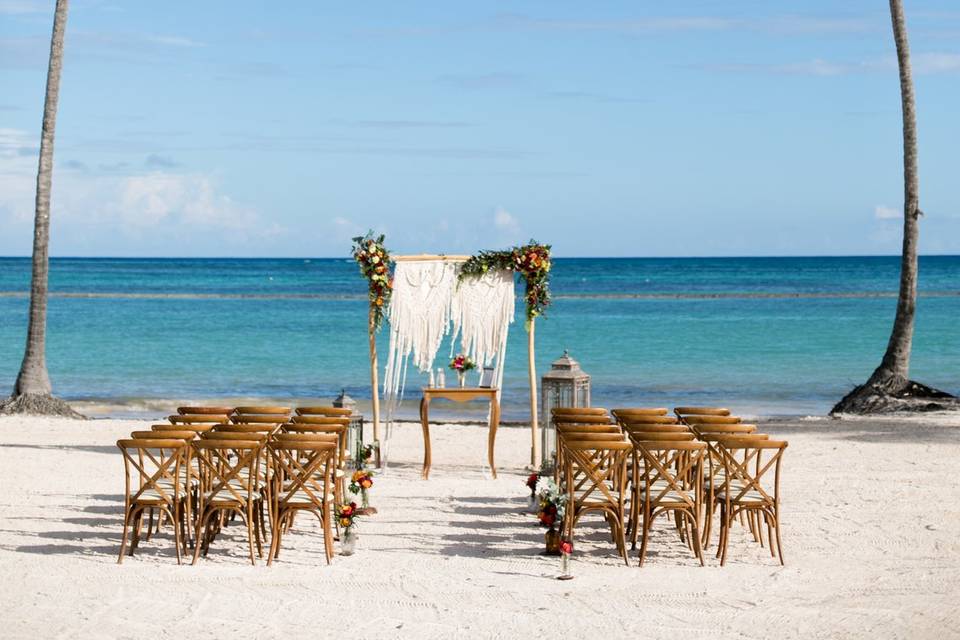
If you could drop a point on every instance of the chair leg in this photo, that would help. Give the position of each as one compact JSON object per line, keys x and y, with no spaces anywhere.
{"x":176,"y":525}
{"x":202,"y":542}
{"x":123,"y":541}
{"x":776,"y":528}
{"x":646,"y":534}
{"x":728,"y":520}
{"x":250,"y":534}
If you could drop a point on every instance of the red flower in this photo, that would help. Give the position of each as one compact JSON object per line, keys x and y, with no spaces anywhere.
{"x":547,"y":520}
{"x":532,"y":481}
{"x":566,"y":547}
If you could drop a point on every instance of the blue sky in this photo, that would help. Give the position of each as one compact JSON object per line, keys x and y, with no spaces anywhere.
{"x":686,"y":128}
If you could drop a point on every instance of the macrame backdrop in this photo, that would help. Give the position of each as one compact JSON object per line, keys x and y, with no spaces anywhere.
{"x":481,"y":311}
{"x":427,"y":304}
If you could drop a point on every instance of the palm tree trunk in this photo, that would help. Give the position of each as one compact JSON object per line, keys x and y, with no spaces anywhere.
{"x":32,"y":391}
{"x":893,"y":372}
{"x":889,"y":388}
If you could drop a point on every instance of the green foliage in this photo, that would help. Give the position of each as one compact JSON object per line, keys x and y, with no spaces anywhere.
{"x":531,"y":261}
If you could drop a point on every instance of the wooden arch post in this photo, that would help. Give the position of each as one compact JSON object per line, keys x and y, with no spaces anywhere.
{"x":374,"y":383}
{"x":532,"y":370}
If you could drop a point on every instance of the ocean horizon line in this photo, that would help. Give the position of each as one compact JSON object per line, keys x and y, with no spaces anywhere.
{"x":347,"y":257}
{"x":559,"y":296}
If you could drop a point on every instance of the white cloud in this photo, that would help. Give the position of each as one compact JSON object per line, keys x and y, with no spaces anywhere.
{"x":883,"y":212}
{"x":122,"y":210}
{"x":503,"y":219}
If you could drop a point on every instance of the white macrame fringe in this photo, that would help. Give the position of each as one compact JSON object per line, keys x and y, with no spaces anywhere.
{"x":427,"y":304}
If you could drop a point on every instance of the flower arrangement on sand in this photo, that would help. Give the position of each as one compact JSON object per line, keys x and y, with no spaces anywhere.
{"x":360,"y":483}
{"x":347,"y":515}
{"x":374,"y":260}
{"x":532,"y":483}
{"x":553,"y":503}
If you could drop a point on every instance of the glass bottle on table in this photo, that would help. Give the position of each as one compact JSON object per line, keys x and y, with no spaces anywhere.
{"x":441,"y":378}
{"x":430,"y":382}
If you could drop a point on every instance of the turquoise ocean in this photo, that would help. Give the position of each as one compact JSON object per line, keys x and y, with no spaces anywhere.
{"x":773,"y":336}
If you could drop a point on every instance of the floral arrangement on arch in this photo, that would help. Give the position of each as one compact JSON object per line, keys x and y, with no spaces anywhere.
{"x":374,"y":260}
{"x":553,"y":502}
{"x":531,"y":261}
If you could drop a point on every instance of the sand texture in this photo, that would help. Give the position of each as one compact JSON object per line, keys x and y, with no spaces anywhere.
{"x":871,"y":515}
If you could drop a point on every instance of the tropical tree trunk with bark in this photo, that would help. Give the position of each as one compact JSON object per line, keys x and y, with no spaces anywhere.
{"x":890,"y":388}
{"x":32,"y":392}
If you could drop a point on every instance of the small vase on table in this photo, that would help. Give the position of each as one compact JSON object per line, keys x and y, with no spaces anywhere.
{"x":462,"y":379}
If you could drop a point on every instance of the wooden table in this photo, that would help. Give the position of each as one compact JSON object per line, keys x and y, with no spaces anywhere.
{"x":458,"y":394}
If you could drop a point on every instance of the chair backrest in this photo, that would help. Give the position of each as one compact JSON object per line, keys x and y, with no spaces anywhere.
{"x":573,"y":427}
{"x":301,"y":460}
{"x":582,"y":411}
{"x":659,"y":436}
{"x":330,"y":412}
{"x":595,"y":471}
{"x":211,"y":411}
{"x":262,"y":411}
{"x":631,"y":412}
{"x":671,"y":470}
{"x":156,"y":463}
{"x":222,"y":463}
{"x":241,"y":435}
{"x":196,"y":428}
{"x":656,"y":427}
{"x":170,"y":432}
{"x":320,"y":420}
{"x":701,"y":411}
{"x":695,"y":419}
{"x":729,"y":429}
{"x":581,"y":418}
{"x":747,"y":471}
{"x":198,"y":418}
{"x":647,"y":419}
{"x":251,"y":418}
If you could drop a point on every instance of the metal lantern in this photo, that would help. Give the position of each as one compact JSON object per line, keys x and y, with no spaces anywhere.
{"x":565,"y":385}
{"x":355,"y":429}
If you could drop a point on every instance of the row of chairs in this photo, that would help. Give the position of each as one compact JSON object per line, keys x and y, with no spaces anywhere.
{"x":261,"y":464}
{"x":689,"y":465}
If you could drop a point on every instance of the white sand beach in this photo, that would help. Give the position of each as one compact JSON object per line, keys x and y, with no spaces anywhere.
{"x":871,"y":513}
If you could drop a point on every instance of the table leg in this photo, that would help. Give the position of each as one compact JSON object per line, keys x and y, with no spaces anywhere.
{"x":492,"y":436}
{"x":425,"y":424}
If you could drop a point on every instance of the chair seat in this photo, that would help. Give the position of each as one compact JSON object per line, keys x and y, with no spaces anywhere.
{"x":750,"y":497}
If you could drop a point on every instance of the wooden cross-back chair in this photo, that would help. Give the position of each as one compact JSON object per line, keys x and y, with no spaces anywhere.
{"x":595,"y":479}
{"x":715,"y":473}
{"x":668,"y":479}
{"x":167,"y":431}
{"x":304,"y":464}
{"x":748,"y":488}
{"x":335,"y":428}
{"x":157,"y":464}
{"x":589,"y":431}
{"x":230,"y":464}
